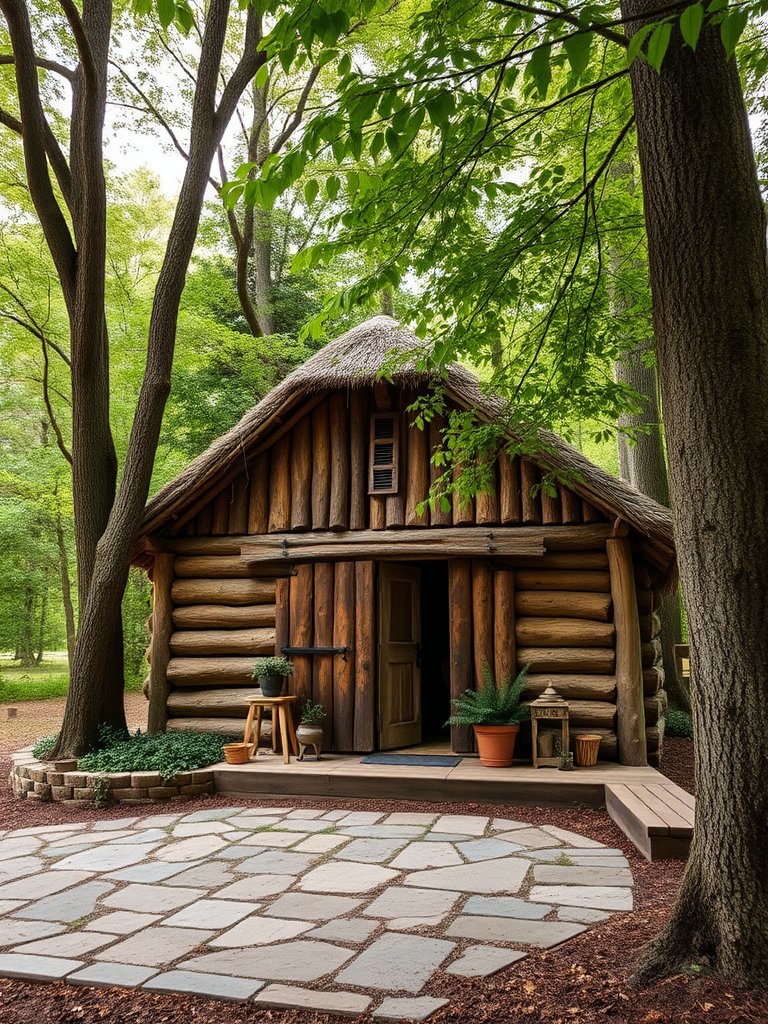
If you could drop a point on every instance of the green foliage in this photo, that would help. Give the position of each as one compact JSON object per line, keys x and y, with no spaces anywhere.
{"x":311,"y":713}
{"x":44,"y":746}
{"x":678,"y":723}
{"x":136,"y":611}
{"x":492,"y":704}
{"x":166,"y":753}
{"x":271,"y":667}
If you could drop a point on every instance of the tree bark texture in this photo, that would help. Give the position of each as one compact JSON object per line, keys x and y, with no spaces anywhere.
{"x":644,"y":465}
{"x":106,"y":521}
{"x":707,"y":257}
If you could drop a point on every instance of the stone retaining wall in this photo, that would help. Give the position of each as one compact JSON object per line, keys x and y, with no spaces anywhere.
{"x":44,"y":780}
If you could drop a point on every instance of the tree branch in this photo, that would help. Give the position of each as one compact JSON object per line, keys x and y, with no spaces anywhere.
{"x":36,"y":135}
{"x":51,"y":414}
{"x":295,"y":121}
{"x":45,"y":63}
{"x":84,"y":52}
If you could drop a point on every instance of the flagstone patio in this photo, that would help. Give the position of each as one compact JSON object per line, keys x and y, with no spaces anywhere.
{"x":346,"y":912}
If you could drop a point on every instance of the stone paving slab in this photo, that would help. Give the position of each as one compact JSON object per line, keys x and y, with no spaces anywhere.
{"x":70,"y":944}
{"x":150,"y":899}
{"x":36,"y":968}
{"x":419,"y":1008}
{"x":481,"y":961}
{"x":229,"y":900}
{"x":215,"y":986}
{"x":301,"y":960}
{"x":342,"y":1004}
{"x":106,"y":975}
{"x":400,"y":963}
{"x":514,"y":930}
{"x":154,"y":946}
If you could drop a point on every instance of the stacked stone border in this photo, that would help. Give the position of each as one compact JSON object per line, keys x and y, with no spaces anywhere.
{"x":61,"y":780}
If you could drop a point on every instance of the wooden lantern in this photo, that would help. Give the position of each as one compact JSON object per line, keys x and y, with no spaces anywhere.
{"x":549,"y":707}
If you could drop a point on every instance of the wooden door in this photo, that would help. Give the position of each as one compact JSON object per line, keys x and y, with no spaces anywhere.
{"x":399,"y":649}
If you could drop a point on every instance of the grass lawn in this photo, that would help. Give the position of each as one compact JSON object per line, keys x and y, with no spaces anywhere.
{"x":46,"y":681}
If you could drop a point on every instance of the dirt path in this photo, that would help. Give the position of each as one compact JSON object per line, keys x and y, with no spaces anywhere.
{"x":36,"y":718}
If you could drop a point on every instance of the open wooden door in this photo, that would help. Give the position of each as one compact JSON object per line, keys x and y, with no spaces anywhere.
{"x":399,"y":650}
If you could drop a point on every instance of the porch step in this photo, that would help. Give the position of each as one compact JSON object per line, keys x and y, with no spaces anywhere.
{"x":657,"y":816}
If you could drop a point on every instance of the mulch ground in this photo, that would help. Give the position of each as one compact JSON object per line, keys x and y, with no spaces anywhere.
{"x":586,"y":980}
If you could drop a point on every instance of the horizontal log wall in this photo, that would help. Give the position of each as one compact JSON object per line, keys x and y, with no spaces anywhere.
{"x":314,"y":476}
{"x":222,"y":617}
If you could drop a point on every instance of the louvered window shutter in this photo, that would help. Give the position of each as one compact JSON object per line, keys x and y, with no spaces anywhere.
{"x":384,"y":454}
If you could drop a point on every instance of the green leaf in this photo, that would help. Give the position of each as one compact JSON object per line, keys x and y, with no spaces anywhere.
{"x":142,"y":6}
{"x":332,"y":186}
{"x":731,"y":28}
{"x":166,"y":11}
{"x":344,"y":66}
{"x":261,"y":76}
{"x":577,"y":49}
{"x":691,"y":21}
{"x":539,"y":69}
{"x":636,"y":42}
{"x":377,"y":144}
{"x":440,"y":107}
{"x":184,"y":18}
{"x":658,"y":43}
{"x":311,"y":189}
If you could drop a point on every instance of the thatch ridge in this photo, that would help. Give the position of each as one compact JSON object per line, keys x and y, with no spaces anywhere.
{"x":356,"y":359}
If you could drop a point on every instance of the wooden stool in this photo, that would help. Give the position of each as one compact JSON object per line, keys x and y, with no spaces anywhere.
{"x":281,"y":715}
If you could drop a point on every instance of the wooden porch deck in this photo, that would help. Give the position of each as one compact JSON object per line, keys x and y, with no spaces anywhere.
{"x":648,"y":819}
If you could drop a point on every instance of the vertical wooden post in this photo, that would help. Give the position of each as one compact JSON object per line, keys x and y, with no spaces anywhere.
{"x":321,"y":467}
{"x":258,"y":497}
{"x":460,"y":611}
{"x":463,"y":511}
{"x":203,"y":520}
{"x":529,"y":477}
{"x":338,"y":516}
{"x":344,"y":665}
{"x":437,"y":515}
{"x":551,"y":513}
{"x":630,"y":711}
{"x":282,"y":614}
{"x":358,"y":443}
{"x":322,"y":670}
{"x":504,"y":645}
{"x":571,"y":506}
{"x":417,"y":472}
{"x":365,"y":655}
{"x":482,"y":617}
{"x":394,"y":504}
{"x":487,"y":504}
{"x":301,"y":619}
{"x":509,"y":490}
{"x":238,"y":510}
{"x":280,"y":486}
{"x":301,"y":475}
{"x":162,"y":625}
{"x":221,"y":503}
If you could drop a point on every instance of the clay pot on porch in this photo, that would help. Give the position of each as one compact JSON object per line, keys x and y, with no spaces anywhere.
{"x":496,"y":744}
{"x":310,"y":736}
{"x":271,"y":686}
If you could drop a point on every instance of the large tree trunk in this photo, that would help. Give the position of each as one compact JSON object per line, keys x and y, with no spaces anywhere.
{"x":25,"y":654}
{"x":66,"y":589}
{"x":707,"y":256}
{"x":643,"y":464}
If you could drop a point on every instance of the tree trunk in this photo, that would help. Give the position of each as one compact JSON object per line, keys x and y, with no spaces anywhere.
{"x":41,"y":628}
{"x":25,"y":654}
{"x":66,"y":589}
{"x":644,"y":466}
{"x":707,"y":258}
{"x":260,"y":221}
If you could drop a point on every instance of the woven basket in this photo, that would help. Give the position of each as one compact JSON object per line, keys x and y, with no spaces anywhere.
{"x":587,"y":749}
{"x":237,"y":753}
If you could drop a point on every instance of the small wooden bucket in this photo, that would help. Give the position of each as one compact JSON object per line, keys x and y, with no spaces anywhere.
{"x":237,"y":753}
{"x":587,"y":749}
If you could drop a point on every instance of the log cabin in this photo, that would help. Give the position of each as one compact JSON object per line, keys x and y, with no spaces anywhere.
{"x":304,"y":530}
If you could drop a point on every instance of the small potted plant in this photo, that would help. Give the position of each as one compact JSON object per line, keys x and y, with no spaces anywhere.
{"x":270,"y":673}
{"x":566,"y":761}
{"x":310,"y":730}
{"x":495,"y":713}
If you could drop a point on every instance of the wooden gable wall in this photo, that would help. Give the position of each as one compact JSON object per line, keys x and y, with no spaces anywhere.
{"x":314,"y":476}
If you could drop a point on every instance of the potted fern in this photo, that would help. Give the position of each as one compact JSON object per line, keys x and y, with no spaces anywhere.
{"x":495,"y":712}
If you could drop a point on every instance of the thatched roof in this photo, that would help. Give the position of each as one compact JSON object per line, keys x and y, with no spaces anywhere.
{"x":356,"y":359}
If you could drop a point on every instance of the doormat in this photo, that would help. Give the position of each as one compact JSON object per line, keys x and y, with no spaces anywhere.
{"x":417,"y":760}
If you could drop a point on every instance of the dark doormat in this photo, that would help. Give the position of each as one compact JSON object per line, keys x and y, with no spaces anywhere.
{"x":417,"y":760}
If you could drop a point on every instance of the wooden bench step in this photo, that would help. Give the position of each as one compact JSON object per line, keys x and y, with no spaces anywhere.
{"x":657,"y":817}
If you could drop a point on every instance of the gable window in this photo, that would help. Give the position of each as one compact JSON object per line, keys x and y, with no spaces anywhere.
{"x":384,"y":454}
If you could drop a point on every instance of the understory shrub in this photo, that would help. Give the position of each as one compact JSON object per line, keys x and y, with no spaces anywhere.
{"x":44,"y":746}
{"x":167,"y":753}
{"x":679,"y":723}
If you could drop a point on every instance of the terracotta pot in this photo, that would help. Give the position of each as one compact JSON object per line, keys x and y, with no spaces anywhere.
{"x":496,"y":744}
